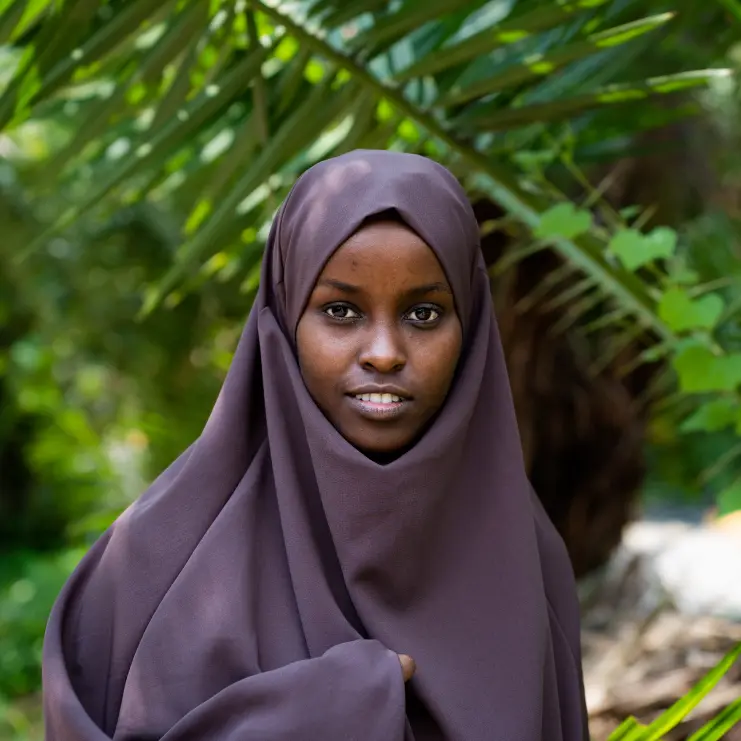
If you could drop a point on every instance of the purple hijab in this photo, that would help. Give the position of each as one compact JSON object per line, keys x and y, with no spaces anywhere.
{"x":261,"y":588}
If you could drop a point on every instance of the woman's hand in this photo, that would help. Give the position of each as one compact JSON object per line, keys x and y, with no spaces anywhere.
{"x":408,"y":667}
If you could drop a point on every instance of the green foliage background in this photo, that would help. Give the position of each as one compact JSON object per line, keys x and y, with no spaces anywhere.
{"x":144,"y":146}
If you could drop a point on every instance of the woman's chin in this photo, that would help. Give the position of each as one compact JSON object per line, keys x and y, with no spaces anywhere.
{"x":380,"y":448}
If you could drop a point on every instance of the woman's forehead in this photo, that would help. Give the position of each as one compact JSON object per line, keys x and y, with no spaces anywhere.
{"x":385,"y":246}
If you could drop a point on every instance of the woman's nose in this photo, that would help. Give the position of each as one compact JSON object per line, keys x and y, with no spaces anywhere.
{"x":383,"y":351}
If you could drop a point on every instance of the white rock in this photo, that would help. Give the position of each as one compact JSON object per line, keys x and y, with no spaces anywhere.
{"x":698,"y":566}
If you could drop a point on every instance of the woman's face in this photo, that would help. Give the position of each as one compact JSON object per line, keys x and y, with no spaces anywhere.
{"x":380,"y":338}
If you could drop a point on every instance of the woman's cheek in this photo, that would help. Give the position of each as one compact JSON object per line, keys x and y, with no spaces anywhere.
{"x":440,"y":357}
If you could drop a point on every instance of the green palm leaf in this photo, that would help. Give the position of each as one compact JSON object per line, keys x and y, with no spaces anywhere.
{"x":156,"y":146}
{"x":717,"y":728}
{"x":11,"y":14}
{"x":493,"y":117}
{"x":489,"y":39}
{"x":691,"y":700}
{"x":630,"y":730}
{"x":313,"y":93}
{"x":411,"y":16}
{"x":321,"y":108}
{"x":540,"y":65}
{"x":45,"y":71}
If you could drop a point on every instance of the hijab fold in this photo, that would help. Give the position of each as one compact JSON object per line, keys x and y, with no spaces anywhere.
{"x":261,"y":588}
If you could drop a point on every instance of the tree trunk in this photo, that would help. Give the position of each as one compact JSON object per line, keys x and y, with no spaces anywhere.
{"x":582,"y":432}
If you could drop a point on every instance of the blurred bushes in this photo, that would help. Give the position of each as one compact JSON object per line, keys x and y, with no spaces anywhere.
{"x":93,"y":403}
{"x":29,"y":584}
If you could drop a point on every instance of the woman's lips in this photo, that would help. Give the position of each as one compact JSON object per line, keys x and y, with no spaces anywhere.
{"x":379,"y":406}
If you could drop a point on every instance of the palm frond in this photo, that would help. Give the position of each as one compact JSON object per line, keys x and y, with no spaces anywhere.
{"x":220,"y":105}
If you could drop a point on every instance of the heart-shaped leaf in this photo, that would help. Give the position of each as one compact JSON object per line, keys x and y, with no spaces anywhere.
{"x":635,"y":249}
{"x":662,"y":242}
{"x":680,"y":274}
{"x":700,"y":370}
{"x":729,"y":500}
{"x":563,"y":220}
{"x":713,"y":416}
{"x":681,"y":312}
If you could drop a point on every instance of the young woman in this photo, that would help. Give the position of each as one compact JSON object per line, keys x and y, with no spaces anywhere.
{"x":355,"y":512}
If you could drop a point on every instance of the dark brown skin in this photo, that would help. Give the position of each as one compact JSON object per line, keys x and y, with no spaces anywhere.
{"x":382,"y":316}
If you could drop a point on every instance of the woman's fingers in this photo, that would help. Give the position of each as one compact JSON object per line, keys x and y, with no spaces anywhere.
{"x":408,"y":667}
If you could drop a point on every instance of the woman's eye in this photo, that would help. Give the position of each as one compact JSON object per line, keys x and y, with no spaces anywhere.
{"x":424,"y":314}
{"x":340,"y":311}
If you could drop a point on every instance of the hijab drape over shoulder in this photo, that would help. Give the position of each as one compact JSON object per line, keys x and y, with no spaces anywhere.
{"x":261,"y":588}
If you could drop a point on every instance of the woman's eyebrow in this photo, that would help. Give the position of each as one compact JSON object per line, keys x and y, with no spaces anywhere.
{"x":415,"y":291}
{"x":429,"y":288}
{"x":339,"y":285}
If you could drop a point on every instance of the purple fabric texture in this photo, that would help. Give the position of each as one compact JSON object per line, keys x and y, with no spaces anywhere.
{"x":262,"y":586}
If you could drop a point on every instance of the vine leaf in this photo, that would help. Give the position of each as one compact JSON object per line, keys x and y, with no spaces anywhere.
{"x":729,"y":500}
{"x":701,"y":371}
{"x":712,"y":416}
{"x":634,"y":249}
{"x":563,"y":220}
{"x":682,"y":313}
